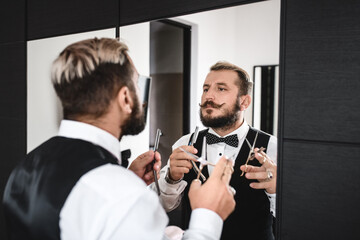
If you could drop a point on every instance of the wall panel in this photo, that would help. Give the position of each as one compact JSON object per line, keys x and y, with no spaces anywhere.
{"x":145,"y":10}
{"x":322,"y":71}
{"x":12,"y":20}
{"x":319,"y":148}
{"x":13,"y":72}
{"x":320,"y":192}
{"x":13,"y":112}
{"x":54,"y":18}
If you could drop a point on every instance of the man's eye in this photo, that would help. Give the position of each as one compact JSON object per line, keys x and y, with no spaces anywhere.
{"x":205,"y":90}
{"x":222,"y":89}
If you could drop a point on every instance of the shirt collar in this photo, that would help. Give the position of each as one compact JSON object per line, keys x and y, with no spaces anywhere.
{"x":90,"y":133}
{"x":241,"y":131}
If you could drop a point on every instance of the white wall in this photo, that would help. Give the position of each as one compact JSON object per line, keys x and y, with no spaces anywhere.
{"x":44,"y":111}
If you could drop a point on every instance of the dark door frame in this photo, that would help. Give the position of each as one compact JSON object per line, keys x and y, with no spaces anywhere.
{"x":186,"y":70}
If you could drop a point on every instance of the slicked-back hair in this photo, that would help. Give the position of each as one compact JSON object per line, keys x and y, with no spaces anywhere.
{"x":88,"y":74}
{"x":244,"y":83}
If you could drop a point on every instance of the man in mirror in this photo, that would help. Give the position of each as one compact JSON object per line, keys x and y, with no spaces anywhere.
{"x":73,"y":185}
{"x":225,"y":97}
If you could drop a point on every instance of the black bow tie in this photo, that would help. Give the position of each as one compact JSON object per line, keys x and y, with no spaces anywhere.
{"x":125,"y":155}
{"x":231,"y":140}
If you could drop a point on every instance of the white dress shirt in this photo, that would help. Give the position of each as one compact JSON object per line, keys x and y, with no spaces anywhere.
{"x":111,"y":202}
{"x":172,"y":193}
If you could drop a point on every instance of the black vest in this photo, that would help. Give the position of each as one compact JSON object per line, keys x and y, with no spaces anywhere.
{"x":251,"y":219}
{"x":38,"y":187}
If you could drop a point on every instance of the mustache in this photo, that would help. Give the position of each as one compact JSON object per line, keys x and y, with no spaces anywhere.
{"x":211,"y":104}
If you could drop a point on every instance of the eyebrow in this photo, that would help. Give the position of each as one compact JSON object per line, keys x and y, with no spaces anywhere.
{"x":218,"y":84}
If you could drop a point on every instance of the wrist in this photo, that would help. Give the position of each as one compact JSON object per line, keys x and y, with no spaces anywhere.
{"x":169,"y":179}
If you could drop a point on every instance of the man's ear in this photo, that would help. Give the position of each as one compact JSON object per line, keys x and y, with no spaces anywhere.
{"x":125,"y":100}
{"x":245,"y":101}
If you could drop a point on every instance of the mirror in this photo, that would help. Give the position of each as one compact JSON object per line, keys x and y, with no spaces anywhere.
{"x":246,"y":35}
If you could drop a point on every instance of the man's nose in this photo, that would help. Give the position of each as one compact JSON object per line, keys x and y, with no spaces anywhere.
{"x":209,"y":95}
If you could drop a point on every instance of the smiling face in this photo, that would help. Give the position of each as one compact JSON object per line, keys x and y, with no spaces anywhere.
{"x":221,"y":103}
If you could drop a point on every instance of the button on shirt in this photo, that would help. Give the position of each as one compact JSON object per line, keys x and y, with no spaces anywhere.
{"x":111,"y":202}
{"x":214,"y":153}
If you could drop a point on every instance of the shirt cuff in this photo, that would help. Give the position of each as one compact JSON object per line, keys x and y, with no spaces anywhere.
{"x":171,"y":189}
{"x":171,"y":194}
{"x":272,"y":199}
{"x":206,"y":221}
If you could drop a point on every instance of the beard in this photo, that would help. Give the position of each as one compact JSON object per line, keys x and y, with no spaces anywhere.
{"x":135,"y":124}
{"x":228,"y":119}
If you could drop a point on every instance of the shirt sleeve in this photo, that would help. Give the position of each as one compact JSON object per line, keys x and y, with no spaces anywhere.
{"x":272,"y":153}
{"x":171,"y":194}
{"x":112,"y":203}
{"x":272,"y":149}
{"x":204,"y":224}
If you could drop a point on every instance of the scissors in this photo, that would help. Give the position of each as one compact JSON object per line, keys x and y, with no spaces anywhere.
{"x":191,"y":143}
{"x":251,"y":155}
{"x":156,"y":146}
{"x":202,"y":160}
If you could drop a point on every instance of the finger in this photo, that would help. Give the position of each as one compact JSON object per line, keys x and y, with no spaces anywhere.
{"x":185,"y":156}
{"x":181,"y":170}
{"x":190,"y":149}
{"x":232,"y":190}
{"x":181,"y":164}
{"x":181,"y":156}
{"x":158,"y":157}
{"x":195,"y":184}
{"x":261,"y":185}
{"x":147,"y":157}
{"x":228,"y":171}
{"x":149,"y":176}
{"x":148,"y":167}
{"x":157,"y":166}
{"x":220,"y":167}
{"x":250,"y":168}
{"x":257,"y":175}
{"x":263,"y":159}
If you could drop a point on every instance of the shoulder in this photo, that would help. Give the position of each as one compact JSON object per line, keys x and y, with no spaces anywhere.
{"x":110,"y":181}
{"x":184,"y":140}
{"x":262,"y":133}
{"x":271,"y":149}
{"x":106,"y":200}
{"x":108,"y":185}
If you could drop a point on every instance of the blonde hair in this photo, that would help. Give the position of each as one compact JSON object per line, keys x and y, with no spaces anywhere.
{"x":88,"y":74}
{"x":81,"y":58}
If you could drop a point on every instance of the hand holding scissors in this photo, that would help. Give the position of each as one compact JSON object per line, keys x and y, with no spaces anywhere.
{"x":251,"y":155}
{"x":202,"y":160}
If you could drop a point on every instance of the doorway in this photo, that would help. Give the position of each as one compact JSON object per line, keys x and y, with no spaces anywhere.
{"x":170,"y":54}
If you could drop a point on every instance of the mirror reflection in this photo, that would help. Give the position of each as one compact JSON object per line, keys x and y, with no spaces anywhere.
{"x":246,"y":36}
{"x":181,"y":52}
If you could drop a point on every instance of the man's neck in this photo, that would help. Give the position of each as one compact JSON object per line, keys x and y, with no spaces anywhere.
{"x":102,"y":123}
{"x":228,"y":129}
